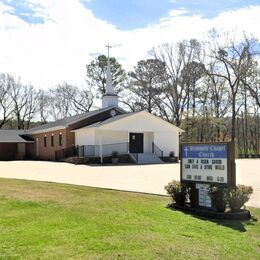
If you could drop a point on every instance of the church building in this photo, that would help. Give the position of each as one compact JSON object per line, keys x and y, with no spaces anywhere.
{"x":143,"y":137}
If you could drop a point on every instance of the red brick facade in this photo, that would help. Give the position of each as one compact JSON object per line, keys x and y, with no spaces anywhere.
{"x":43,"y":148}
{"x":48,"y":152}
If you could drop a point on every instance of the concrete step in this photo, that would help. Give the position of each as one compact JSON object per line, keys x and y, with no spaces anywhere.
{"x":146,"y":158}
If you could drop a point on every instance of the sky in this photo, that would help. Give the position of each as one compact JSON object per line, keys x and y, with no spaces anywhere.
{"x":46,"y":42}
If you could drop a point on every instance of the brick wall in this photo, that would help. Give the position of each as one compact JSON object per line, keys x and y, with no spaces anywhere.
{"x":48,"y":152}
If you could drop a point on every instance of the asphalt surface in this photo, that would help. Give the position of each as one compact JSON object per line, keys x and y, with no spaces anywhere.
{"x":137,"y":178}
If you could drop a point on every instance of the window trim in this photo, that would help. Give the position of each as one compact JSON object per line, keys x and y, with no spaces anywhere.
{"x":52,"y":140}
{"x":60,"y":139}
{"x":45,"y":141}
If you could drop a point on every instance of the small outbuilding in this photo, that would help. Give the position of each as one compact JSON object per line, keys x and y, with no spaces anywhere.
{"x":13,"y":144}
{"x":134,"y":133}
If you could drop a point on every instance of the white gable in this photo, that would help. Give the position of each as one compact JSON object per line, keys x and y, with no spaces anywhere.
{"x":117,"y":130}
{"x":140,"y":122}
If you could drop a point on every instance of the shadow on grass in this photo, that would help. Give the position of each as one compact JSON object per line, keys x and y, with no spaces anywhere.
{"x":238,"y":225}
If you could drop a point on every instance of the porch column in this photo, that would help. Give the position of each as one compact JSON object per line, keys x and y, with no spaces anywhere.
{"x":128,"y":150}
{"x":100,"y":146}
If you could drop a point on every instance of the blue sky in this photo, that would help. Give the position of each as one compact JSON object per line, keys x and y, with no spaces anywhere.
{"x":131,"y":14}
{"x":50,"y":41}
{"x":27,"y":11}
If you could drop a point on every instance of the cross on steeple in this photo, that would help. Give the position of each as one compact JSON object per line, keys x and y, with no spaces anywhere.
{"x":108,"y":47}
{"x":109,"y":98}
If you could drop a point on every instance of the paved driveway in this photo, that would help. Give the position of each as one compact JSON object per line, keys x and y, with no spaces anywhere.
{"x":144,"y":178}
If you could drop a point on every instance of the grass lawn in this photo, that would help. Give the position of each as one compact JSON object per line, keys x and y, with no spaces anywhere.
{"x":56,"y":221}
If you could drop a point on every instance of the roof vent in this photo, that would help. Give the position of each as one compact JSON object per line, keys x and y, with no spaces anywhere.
{"x":113,"y":113}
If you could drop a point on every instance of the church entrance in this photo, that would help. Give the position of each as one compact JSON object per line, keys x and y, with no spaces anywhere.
{"x":136,"y":142}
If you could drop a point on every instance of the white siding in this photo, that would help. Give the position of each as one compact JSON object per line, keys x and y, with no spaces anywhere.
{"x":167,"y":141}
{"x":148,"y":140}
{"x":140,"y":122}
{"x":163,"y":134}
{"x":85,"y":136}
{"x":114,"y":141}
{"x":113,"y":137}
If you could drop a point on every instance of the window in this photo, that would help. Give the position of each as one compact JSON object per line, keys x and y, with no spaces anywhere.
{"x":52,"y":140}
{"x":45,"y":141}
{"x":60,"y":139}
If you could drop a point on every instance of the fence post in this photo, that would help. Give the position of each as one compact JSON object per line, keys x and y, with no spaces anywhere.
{"x":152,"y":147}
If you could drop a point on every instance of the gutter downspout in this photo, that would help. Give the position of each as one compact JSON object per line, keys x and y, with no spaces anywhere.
{"x":100,"y":146}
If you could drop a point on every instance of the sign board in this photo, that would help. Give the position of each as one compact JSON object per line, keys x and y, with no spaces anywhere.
{"x":206,"y":163}
{"x":204,"y":199}
{"x":203,"y":164}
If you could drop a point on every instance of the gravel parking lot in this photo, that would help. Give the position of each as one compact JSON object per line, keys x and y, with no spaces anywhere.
{"x":138,"y":178}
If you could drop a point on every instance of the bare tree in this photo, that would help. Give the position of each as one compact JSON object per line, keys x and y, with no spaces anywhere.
{"x":67,"y":100}
{"x":218,"y":101}
{"x":252,"y":83}
{"x":234,"y":61}
{"x":25,"y":103}
{"x":6,"y":109}
{"x":176,"y":58}
{"x":44,"y":106}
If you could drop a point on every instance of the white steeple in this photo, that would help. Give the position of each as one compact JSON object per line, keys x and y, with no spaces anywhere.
{"x":110,"y":98}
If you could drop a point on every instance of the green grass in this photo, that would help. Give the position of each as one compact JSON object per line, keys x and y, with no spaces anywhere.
{"x":56,"y":221}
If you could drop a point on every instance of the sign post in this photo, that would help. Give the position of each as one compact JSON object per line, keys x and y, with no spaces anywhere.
{"x":203,"y":164}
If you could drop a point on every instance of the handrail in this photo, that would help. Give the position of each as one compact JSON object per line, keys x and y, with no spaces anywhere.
{"x":66,"y":152}
{"x":114,"y":144}
{"x":157,"y":150}
{"x":91,"y":150}
{"x":135,"y":155}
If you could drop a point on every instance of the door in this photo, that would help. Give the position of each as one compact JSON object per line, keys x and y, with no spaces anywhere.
{"x":37,"y":148}
{"x":136,"y":142}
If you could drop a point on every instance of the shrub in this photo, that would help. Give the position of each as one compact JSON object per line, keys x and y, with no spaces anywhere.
{"x":177,"y":191}
{"x":171,"y":154}
{"x":115,"y":154}
{"x":238,"y":196}
{"x":218,"y":195}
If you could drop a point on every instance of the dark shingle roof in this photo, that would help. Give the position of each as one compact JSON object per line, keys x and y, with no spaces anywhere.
{"x":111,"y":119}
{"x":13,"y":136}
{"x":125,"y":115}
{"x":65,"y":122}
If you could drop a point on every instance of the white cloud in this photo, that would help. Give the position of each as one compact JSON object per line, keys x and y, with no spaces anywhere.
{"x":46,"y":54}
{"x":177,"y":12}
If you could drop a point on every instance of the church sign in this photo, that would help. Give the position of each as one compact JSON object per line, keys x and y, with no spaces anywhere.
{"x":203,"y":164}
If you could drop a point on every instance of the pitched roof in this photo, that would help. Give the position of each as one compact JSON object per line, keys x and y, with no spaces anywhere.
{"x":119,"y":117}
{"x":110,"y":120}
{"x":67,"y":121}
{"x":13,"y":136}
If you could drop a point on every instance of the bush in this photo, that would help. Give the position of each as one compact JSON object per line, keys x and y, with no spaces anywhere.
{"x":171,"y":154}
{"x":177,"y":191}
{"x":238,"y":196}
{"x":218,"y":195}
{"x":115,"y":154}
